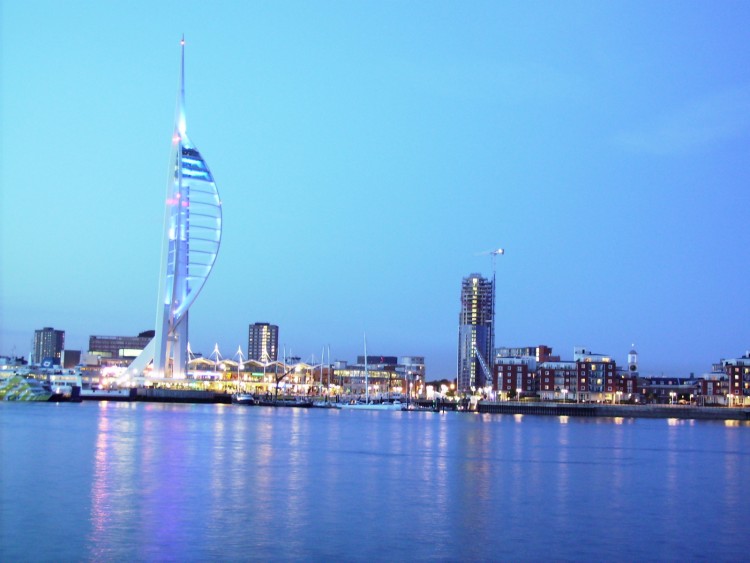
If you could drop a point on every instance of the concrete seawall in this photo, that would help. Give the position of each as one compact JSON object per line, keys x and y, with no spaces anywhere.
{"x":158,"y":396}
{"x":624,"y":411}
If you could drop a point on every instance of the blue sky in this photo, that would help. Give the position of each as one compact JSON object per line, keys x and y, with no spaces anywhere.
{"x":366,"y":154}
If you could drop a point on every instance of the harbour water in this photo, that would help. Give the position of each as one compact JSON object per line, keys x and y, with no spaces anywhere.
{"x":143,"y":481}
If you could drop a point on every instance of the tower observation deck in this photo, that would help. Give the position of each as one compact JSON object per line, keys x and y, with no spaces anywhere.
{"x":190,"y":244}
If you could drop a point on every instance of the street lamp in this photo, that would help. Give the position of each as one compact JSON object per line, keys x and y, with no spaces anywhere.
{"x":672,"y":395}
{"x":618,"y":396}
{"x":565,"y":395}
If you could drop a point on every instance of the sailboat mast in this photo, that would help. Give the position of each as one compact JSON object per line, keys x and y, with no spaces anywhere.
{"x":367,"y":377}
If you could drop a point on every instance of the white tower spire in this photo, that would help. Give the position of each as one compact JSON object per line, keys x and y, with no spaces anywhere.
{"x":190,"y":243}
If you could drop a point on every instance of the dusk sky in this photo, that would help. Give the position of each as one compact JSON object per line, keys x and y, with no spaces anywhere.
{"x":367,"y":153}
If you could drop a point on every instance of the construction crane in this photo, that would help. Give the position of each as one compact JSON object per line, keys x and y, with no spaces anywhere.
{"x":494,"y":253}
{"x":487,"y":362}
{"x":485,"y":368}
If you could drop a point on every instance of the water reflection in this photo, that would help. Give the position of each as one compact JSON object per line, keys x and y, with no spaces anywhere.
{"x":197,"y":483}
{"x":112,"y":501}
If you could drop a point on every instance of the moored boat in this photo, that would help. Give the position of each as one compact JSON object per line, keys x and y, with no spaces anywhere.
{"x":393,"y":406}
{"x":244,"y":399}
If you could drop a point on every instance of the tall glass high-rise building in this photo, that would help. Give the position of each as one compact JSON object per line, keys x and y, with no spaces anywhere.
{"x":190,"y":243}
{"x":476,"y":333}
{"x":263,"y":342}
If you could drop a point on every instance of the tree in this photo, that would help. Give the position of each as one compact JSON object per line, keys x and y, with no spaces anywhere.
{"x":280,"y":378}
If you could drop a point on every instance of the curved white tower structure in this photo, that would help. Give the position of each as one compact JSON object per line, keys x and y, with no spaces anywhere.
{"x":190,"y":243}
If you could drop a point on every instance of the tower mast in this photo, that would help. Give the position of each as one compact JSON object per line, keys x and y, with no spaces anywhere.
{"x":190,"y":244}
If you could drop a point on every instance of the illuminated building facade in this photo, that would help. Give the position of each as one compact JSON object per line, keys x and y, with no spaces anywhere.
{"x":515,"y":377}
{"x":476,"y":333}
{"x":738,"y":375}
{"x":48,"y":345}
{"x":541,"y":353}
{"x":119,"y":350}
{"x":263,"y":342}
{"x":190,"y":243}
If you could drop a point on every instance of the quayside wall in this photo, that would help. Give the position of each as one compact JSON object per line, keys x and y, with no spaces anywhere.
{"x":158,"y":396}
{"x":615,"y":411}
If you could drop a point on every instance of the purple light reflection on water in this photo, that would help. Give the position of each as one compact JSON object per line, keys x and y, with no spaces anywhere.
{"x":104,"y":481}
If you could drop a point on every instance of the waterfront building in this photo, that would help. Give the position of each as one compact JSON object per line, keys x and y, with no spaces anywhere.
{"x":410,"y":370}
{"x":263,"y":342}
{"x":413,"y":370}
{"x":738,"y":376}
{"x":593,"y":370}
{"x":669,"y":390}
{"x":620,"y":386}
{"x":11,"y":362}
{"x":515,"y":377}
{"x":588,"y":377}
{"x":378,"y":360}
{"x":558,"y":380}
{"x":382,"y":381}
{"x":118,"y":350}
{"x":541,"y":353}
{"x":70,"y":359}
{"x":713,"y":388}
{"x":48,"y":346}
{"x":476,"y":333}
{"x":190,"y":244}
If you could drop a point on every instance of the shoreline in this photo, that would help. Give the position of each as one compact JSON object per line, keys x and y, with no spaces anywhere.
{"x":616,"y":411}
{"x":483,"y":407}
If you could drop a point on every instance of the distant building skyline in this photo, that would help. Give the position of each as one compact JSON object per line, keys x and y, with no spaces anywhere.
{"x":603,"y":145}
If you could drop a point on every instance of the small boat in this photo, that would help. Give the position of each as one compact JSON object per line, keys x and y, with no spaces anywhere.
{"x":368,"y":405}
{"x":243,"y":399}
{"x":394,"y":406}
{"x":297,"y":403}
{"x":326,"y":405}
